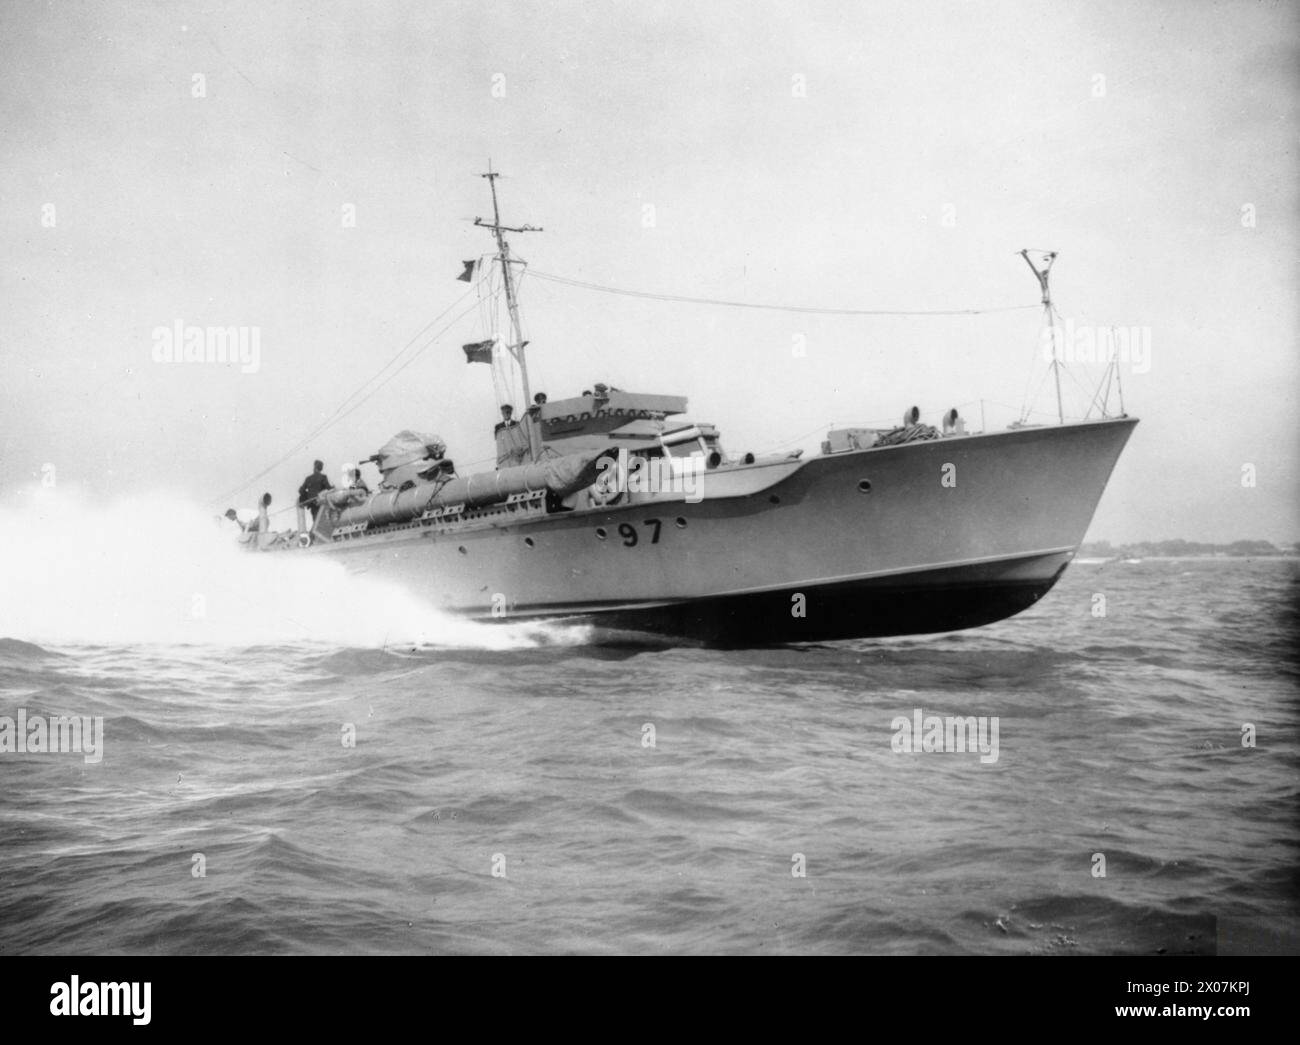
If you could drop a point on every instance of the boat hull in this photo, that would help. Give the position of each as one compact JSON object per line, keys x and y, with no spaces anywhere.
{"x":916,"y":602}
{"x":930,"y":536}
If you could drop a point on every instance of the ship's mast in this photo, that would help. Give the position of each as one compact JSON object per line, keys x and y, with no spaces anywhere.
{"x":518,"y":345}
{"x":1041,"y":274}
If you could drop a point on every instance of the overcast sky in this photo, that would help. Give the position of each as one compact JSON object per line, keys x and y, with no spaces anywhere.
{"x":197,"y":162}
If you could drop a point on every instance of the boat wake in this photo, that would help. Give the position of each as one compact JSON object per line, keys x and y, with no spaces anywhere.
{"x":150,"y":568}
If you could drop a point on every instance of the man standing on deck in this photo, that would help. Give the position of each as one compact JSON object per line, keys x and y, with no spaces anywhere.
{"x":507,"y":418}
{"x":312,"y":487}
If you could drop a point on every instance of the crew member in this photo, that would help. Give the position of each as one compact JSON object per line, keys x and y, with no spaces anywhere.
{"x":260,"y":529}
{"x":312,"y":487}
{"x":507,"y":418}
{"x":246,"y":521}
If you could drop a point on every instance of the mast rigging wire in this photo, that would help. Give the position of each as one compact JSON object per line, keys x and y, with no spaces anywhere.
{"x":339,"y":413}
{"x":775,"y":308}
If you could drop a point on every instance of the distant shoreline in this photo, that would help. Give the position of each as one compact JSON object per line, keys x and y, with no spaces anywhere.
{"x":1105,"y":553}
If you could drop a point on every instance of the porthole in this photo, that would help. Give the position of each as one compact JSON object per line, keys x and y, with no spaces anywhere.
{"x":775,"y":499}
{"x":529,"y":541}
{"x":462,"y":550}
{"x":864,"y":486}
{"x":600,"y":532}
{"x":681,"y":523}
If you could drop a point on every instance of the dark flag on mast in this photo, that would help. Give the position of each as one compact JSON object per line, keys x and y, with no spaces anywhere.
{"x":478,"y":352}
{"x":468,"y":275}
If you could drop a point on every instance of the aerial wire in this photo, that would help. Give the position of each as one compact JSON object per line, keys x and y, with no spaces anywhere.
{"x":775,"y":308}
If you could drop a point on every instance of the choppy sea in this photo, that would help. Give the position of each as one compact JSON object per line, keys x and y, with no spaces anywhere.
{"x":341,"y":788}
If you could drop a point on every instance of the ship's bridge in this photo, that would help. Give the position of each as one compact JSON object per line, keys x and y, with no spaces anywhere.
{"x":645,"y":424}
